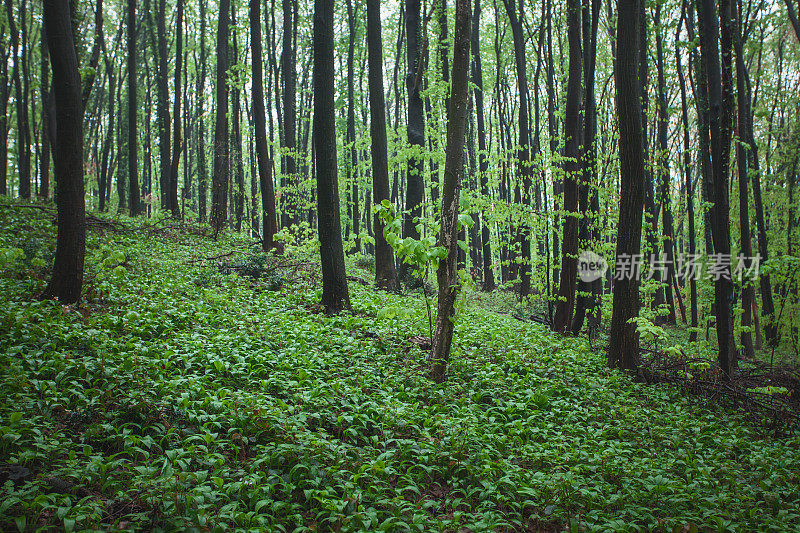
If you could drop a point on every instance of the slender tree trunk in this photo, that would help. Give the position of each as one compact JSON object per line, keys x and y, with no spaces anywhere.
{"x":202,"y":181}
{"x":219,"y":193}
{"x":176,"y":116}
{"x":22,"y":140}
{"x":415,"y":129}
{"x":4,"y":94}
{"x":385,"y":273}
{"x":742,"y":152}
{"x":350,"y":138}
{"x":572,"y":151}
{"x":67,"y":278}
{"x":483,"y":156}
{"x":236,"y":131}
{"x":687,"y":165}
{"x":290,"y":205}
{"x":623,"y":349}
{"x":259,"y":122}
{"x":447,"y":274}
{"x":335,"y":296}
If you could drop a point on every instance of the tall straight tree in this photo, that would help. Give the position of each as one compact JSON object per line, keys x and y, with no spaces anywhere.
{"x":483,"y":156}
{"x":335,"y":296}
{"x":133,"y":147}
{"x":385,"y":273}
{"x":164,"y":154}
{"x":44,"y":151}
{"x":572,"y":171}
{"x":719,"y":112}
{"x":4,"y":94}
{"x":67,"y":278}
{"x":20,"y":76}
{"x":524,"y":150}
{"x":447,"y":274}
{"x":288,"y":60}
{"x":268,"y":241}
{"x":350,"y":138}
{"x":219,"y":187}
{"x":176,"y":140}
{"x":415,"y":128}
{"x":623,"y":349}
{"x":202,"y":181}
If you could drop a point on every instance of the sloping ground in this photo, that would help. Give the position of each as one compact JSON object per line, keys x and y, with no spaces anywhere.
{"x":184,"y":395}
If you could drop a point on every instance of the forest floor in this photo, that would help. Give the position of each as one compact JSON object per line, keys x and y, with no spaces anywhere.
{"x":199,"y":387}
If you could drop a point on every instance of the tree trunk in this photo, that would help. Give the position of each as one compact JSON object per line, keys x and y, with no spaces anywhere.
{"x":483,"y":156}
{"x":385,"y":273}
{"x":67,"y":278}
{"x":44,"y":153}
{"x":219,"y":193}
{"x":719,"y":127}
{"x":260,"y":129}
{"x":290,"y":204}
{"x":134,"y":202}
{"x":335,"y":296}
{"x":623,"y":349}
{"x":22,"y":140}
{"x":176,"y":140}
{"x":202,"y":181}
{"x":447,"y":274}
{"x":415,"y":129}
{"x":163,"y":106}
{"x":572,"y":174}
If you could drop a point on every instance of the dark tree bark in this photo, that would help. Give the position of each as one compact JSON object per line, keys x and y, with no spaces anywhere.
{"x":385,"y":273}
{"x":133,"y":148}
{"x":623,"y":351}
{"x":202,"y":171}
{"x":447,"y":274}
{"x":23,"y":139}
{"x":260,"y":129}
{"x":742,"y":153}
{"x":163,"y":105}
{"x":483,"y":156}
{"x":290,"y":203}
{"x":689,"y":190}
{"x":44,"y":152}
{"x":662,"y":167}
{"x":236,"y":132}
{"x":719,"y":103}
{"x":335,"y":296}
{"x":415,"y":128}
{"x":572,"y":151}
{"x":4,"y":94}
{"x":350,"y":138}
{"x":67,"y":278}
{"x":588,"y":298}
{"x":219,"y":193}
{"x":176,"y":116}
{"x":524,"y":151}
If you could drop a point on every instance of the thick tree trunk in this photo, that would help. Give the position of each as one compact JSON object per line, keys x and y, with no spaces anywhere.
{"x":447,"y":274}
{"x":44,"y":152}
{"x":335,"y":296}
{"x":219,"y":193}
{"x":134,"y":202}
{"x":67,"y":278}
{"x":572,"y":175}
{"x":623,"y":351}
{"x":719,"y":103}
{"x":385,"y":273}
{"x":260,"y":124}
{"x":163,"y":106}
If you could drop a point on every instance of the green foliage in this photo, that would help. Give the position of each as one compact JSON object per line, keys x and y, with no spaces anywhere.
{"x":191,"y":399}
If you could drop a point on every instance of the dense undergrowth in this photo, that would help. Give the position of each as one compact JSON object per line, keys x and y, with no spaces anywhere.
{"x":185,"y":394}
